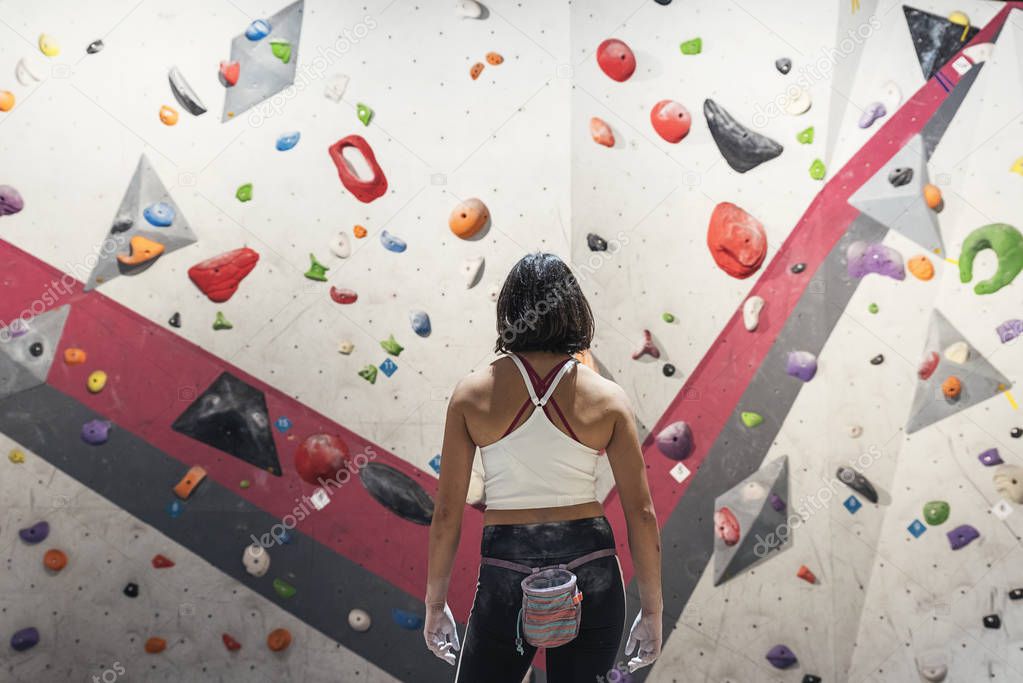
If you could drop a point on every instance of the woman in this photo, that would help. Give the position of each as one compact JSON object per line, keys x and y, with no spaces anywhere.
{"x":541,"y":420}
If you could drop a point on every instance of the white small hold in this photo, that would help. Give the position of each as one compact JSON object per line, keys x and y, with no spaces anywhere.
{"x":855,"y":431}
{"x":345,"y":346}
{"x":797,"y":101}
{"x":468,"y":9}
{"x":933,"y":665}
{"x":472,"y":271}
{"x":359,"y":620}
{"x":891,"y":96}
{"x":26,"y":72}
{"x":341,"y":245}
{"x":474,"y":496}
{"x":753,"y":491}
{"x":751,"y":312}
{"x":494,"y":291}
{"x":334,"y":88}
{"x":256,"y":560}
{"x":958,"y":352}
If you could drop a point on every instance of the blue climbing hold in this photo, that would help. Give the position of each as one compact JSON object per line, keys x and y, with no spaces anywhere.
{"x":916,"y":528}
{"x":405,"y":619}
{"x":258,"y":30}
{"x":25,"y":639}
{"x":392,"y":243}
{"x":175,"y":508}
{"x":287,"y":140}
{"x":435,"y":463}
{"x":420,"y":323}
{"x":388,"y":367}
{"x":852,"y":504}
{"x":36,"y":533}
{"x":286,"y":536}
{"x":283,"y":424}
{"x":160,"y":214}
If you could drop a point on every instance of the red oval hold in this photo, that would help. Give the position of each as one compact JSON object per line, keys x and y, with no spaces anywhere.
{"x":364,"y":190}
{"x":321,"y":456}
{"x":343,"y":296}
{"x":616,"y":59}
{"x":928,"y":365}
{"x":671,"y":120}
{"x":230,"y":643}
{"x":737,"y":240}
{"x":726,"y":526}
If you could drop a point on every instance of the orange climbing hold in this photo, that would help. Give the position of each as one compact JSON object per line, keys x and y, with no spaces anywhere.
{"x":142,"y":251}
{"x":952,"y":387}
{"x":921,"y":267}
{"x":155,"y":645}
{"x":193,"y":477}
{"x":468,"y":218}
{"x":476,"y":70}
{"x":55,"y":560}
{"x":168,"y":115}
{"x":359,"y":232}
{"x":601,"y":132}
{"x":74,"y":356}
{"x":494,"y":59}
{"x":279,"y":639}
{"x":806,"y":575}
{"x":932,"y":195}
{"x":6,"y":100}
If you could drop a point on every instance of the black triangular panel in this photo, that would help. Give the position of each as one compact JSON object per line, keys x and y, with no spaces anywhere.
{"x":935,"y":38}
{"x":231,"y":416}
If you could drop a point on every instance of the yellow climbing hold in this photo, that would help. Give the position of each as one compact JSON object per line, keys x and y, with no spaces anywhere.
{"x":921,"y":267}
{"x":16,"y":456}
{"x":1017,"y":167}
{"x":97,"y":380}
{"x":48,"y":46}
{"x":168,"y":115}
{"x":6,"y":100}
{"x":960,"y":19}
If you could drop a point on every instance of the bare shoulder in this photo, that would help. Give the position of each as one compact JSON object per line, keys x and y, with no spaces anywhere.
{"x":603,"y":392}
{"x":474,"y":388}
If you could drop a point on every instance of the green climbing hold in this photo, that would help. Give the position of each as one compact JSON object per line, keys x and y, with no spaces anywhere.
{"x":281,"y":50}
{"x":284,"y":589}
{"x":1007,"y":243}
{"x":751,"y":419}
{"x":873,"y":308}
{"x":222,"y":323}
{"x":817,"y":170}
{"x":936,"y":512}
{"x":317,"y":271}
{"x":692,"y":47}
{"x":369,"y":373}
{"x":391,"y":346}
{"x":244,"y":192}
{"x":805,"y":136}
{"x":364,"y":113}
{"x":667,"y":317}
{"x":244,"y":483}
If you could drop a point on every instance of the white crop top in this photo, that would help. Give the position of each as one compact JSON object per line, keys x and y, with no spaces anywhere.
{"x":538,"y":465}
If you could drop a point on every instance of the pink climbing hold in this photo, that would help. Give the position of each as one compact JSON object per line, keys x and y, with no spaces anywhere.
{"x":601,"y":132}
{"x":928,"y":365}
{"x":229,"y":72}
{"x":726,"y":526}
{"x":647,"y":348}
{"x":671,"y":120}
{"x":616,"y":59}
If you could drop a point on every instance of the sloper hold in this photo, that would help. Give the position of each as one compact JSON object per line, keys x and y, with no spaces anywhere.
{"x":184,"y":94}
{"x":219,"y":277}
{"x":742,"y":148}
{"x":21,"y":367}
{"x":398,"y":492}
{"x":762,"y":527}
{"x":676,"y":440}
{"x":231,"y":416}
{"x":935,"y":38}
{"x":980,"y":380}
{"x":857,"y":482}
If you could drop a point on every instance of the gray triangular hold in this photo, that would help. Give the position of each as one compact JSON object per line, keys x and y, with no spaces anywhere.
{"x":260,"y":73}
{"x":762,"y":528}
{"x":144,"y":190}
{"x":980,"y":379}
{"x":902,"y":208}
{"x":28,"y":350}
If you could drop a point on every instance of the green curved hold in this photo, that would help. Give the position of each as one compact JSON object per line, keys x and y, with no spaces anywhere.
{"x":936,"y":512}
{"x":817,"y":170}
{"x":244,"y":192}
{"x":222,"y":323}
{"x":284,"y":589}
{"x":369,"y":373}
{"x":1007,"y":243}
{"x":751,"y":419}
{"x":692,"y":47}
{"x":805,"y":136}
{"x":364,"y":113}
{"x":391,"y":346}
{"x":668,"y":317}
{"x":317,"y":271}
{"x":281,"y":50}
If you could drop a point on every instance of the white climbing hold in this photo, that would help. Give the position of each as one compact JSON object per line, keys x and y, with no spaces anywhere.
{"x":256,"y":560}
{"x":474,"y":496}
{"x":494,"y":291}
{"x":1009,"y":483}
{"x":753,"y":491}
{"x":345,"y":346}
{"x":468,"y":9}
{"x":26,"y":72}
{"x":334,"y":88}
{"x":891,"y":96}
{"x":958,"y":352}
{"x":472,"y":270}
{"x":797,"y":101}
{"x":359,"y":620}
{"x":855,"y":431}
{"x":933,"y":665}
{"x":341,"y":245}
{"x":751,"y":312}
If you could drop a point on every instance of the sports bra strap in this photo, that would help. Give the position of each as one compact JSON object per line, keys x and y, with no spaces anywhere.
{"x":557,"y":378}
{"x":525,"y":569}
{"x":531,"y":385}
{"x":529,"y":380}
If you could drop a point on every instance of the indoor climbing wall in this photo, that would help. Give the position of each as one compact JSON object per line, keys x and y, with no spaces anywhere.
{"x":249,"y":247}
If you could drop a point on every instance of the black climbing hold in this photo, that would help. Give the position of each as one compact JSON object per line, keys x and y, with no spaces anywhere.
{"x":784,"y":65}
{"x":1016,"y":432}
{"x":663,"y":2}
{"x":231,"y":416}
{"x":900,"y":176}
{"x":94,"y":47}
{"x":741,"y":147}
{"x":935,"y":38}
{"x":398,"y":492}
{"x":668,"y":369}
{"x":1016,"y":594}
{"x":877,"y":360}
{"x":36,"y":349}
{"x":992,"y":621}
{"x":132,"y":590}
{"x":857,"y":482}
{"x":175,"y":320}
{"x":595,"y":242}
{"x":810,"y":678}
{"x":798,"y":268}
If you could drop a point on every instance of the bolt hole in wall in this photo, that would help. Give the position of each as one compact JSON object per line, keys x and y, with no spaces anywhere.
{"x":210,"y":320}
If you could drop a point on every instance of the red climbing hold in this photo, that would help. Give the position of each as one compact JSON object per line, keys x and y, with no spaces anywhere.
{"x":737,"y":240}
{"x":364,"y":190}
{"x":343,"y":296}
{"x":162,"y":562}
{"x":806,"y":575}
{"x":616,"y":59}
{"x":229,"y":72}
{"x":647,"y":348}
{"x":928,"y":365}
{"x":219,"y":277}
{"x":671,"y":120}
{"x":230,"y":643}
{"x":321,"y":456}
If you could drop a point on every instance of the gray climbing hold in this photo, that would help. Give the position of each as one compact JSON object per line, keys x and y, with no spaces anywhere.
{"x":762,"y":527}
{"x":857,"y":482}
{"x":783,"y":65}
{"x":595,"y":242}
{"x":742,"y":148}
{"x":420,"y":323}
{"x":184,"y":94}
{"x":27,"y":350}
{"x":877,"y":360}
{"x":900,"y":176}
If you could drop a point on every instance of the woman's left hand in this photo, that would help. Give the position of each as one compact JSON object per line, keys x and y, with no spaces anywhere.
{"x":441,"y":632}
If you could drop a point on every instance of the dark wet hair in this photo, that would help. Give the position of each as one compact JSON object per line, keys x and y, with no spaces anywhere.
{"x":542,"y":308}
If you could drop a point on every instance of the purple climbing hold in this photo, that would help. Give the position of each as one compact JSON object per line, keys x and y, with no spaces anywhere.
{"x":990,"y":457}
{"x":10,"y":201}
{"x":872,"y":113}
{"x":1009,"y":330}
{"x":36,"y":533}
{"x":962,"y":536}
{"x":25,"y":639}
{"x":864,"y":258}
{"x":781,"y":657}
{"x":802,"y":365}
{"x":95,"y":432}
{"x":777,"y":502}
{"x":676,"y":441}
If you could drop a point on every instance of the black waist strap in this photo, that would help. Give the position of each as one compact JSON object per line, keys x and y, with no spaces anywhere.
{"x":525,"y":569}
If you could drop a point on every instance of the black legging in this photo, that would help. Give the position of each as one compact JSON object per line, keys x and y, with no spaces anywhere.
{"x":488,"y":652}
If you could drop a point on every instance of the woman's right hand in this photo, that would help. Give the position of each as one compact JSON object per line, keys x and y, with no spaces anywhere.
{"x":646,"y":633}
{"x":441,"y":632}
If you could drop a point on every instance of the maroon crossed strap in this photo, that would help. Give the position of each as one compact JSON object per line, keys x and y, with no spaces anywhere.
{"x":540,"y":387}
